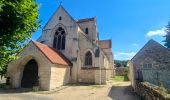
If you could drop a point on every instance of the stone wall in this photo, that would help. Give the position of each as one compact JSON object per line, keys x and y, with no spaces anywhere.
{"x":102,"y":79}
{"x":149,"y":91}
{"x":92,"y":29}
{"x":87,"y":76}
{"x":60,"y":75}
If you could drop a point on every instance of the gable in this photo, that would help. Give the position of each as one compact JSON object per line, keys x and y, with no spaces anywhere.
{"x":62,"y":14}
{"x":152,"y":50}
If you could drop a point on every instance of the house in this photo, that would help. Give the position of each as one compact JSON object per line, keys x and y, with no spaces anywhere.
{"x":119,"y":71}
{"x":151,"y":64}
{"x":68,"y":51}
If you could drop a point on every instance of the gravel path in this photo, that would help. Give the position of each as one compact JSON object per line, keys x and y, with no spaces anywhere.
{"x":122,"y":91}
{"x":113,"y":91}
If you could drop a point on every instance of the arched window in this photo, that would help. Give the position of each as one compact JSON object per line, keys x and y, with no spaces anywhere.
{"x":88,"y":59}
{"x":59,"y":39}
{"x":86,"y":30}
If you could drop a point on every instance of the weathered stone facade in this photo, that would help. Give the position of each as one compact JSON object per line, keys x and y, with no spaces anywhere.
{"x":77,"y":44}
{"x":151,"y":64}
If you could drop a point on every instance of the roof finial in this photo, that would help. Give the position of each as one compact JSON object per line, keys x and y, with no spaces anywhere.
{"x":61,"y":2}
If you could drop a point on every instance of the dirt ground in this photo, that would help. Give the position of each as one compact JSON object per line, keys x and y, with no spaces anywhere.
{"x":112,"y":91}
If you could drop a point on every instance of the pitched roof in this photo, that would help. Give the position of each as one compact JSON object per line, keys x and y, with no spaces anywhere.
{"x":105,"y":44}
{"x":150,"y":43}
{"x":53,"y":55}
{"x":86,"y":20}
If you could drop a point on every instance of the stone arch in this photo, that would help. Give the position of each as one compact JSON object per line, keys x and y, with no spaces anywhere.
{"x":30,"y":74}
{"x":20,"y":68}
{"x":93,"y":57}
{"x":59,"y":25}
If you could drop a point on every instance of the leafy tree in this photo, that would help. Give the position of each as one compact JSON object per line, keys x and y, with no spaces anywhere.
{"x":18,"y":19}
{"x":120,"y":63}
{"x":167,"y":36}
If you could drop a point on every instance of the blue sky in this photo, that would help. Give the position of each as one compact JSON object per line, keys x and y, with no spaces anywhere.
{"x":129,"y":23}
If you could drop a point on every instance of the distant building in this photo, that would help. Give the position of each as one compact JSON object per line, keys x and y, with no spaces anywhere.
{"x":119,"y":71}
{"x":151,"y":64}
{"x":68,"y":51}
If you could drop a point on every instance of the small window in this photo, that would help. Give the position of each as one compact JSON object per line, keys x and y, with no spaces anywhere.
{"x":86,"y":30}
{"x":60,"y":18}
{"x":42,"y":41}
{"x":147,"y":66}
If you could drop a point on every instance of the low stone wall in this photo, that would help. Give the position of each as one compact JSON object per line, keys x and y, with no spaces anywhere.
{"x":149,"y":91}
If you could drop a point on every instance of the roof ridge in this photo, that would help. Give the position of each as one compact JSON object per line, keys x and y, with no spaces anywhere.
{"x":86,"y":19}
{"x":150,"y":41}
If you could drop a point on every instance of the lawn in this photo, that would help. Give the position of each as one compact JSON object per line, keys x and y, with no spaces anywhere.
{"x":120,"y":78}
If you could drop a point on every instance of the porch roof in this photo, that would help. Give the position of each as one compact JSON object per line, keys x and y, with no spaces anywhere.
{"x":52,"y":54}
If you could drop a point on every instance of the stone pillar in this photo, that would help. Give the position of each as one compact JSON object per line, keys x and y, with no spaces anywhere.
{"x":100,"y":76}
{"x":97,"y":77}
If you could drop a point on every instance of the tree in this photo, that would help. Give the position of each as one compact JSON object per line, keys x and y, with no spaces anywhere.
{"x":120,"y":63}
{"x":167,"y":36}
{"x":18,"y":19}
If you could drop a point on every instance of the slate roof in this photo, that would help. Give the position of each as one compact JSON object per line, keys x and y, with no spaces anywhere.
{"x":53,"y":55}
{"x":105,"y":44}
{"x":151,"y":43}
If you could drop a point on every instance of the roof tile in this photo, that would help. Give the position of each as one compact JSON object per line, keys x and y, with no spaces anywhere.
{"x":53,"y":55}
{"x":105,"y":44}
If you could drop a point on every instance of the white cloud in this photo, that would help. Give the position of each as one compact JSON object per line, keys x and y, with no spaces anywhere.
{"x":160,"y":32}
{"x":135,"y":45}
{"x":124,"y":55}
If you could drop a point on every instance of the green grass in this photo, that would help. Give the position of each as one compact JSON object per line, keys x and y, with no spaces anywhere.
{"x":120,"y":78}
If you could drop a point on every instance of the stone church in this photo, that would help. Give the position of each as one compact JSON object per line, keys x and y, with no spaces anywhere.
{"x":68,"y":51}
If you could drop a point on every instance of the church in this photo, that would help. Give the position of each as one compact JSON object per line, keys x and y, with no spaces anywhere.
{"x":68,"y":51}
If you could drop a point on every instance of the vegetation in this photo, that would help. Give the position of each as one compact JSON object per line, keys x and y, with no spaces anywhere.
{"x":126,"y":69}
{"x":18,"y":19}
{"x":167,"y":36}
{"x":123,"y":77}
{"x":120,"y":63}
{"x":120,"y":78}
